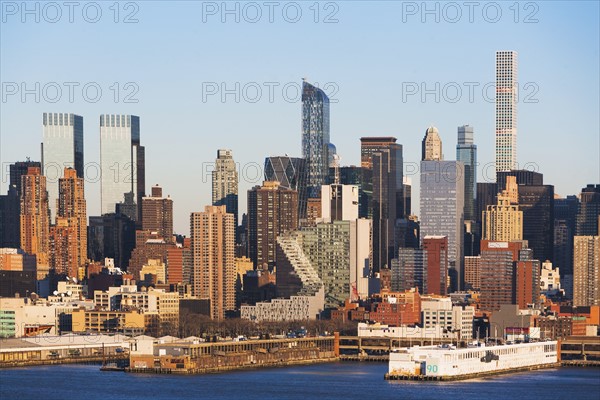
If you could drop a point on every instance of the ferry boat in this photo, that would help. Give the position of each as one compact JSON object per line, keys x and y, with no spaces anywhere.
{"x":446,"y":362}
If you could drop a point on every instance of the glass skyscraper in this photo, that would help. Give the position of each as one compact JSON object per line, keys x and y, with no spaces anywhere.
{"x":290,"y":172}
{"x":121,"y":161}
{"x":62,"y":147}
{"x":466,"y":152}
{"x":315,"y":136}
{"x":442,"y":208}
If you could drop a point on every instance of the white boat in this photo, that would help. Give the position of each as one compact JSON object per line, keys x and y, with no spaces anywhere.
{"x":448,"y":362}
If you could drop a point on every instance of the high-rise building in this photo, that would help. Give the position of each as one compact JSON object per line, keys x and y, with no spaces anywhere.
{"x":213,"y":250}
{"x":431,"y":146}
{"x":527,"y":283}
{"x":586,"y":271}
{"x":64,"y":251}
{"x":506,"y":110}
{"x":327,"y":246}
{"x":504,"y":221}
{"x":315,"y":137}
{"x":296,"y":275}
{"x":466,"y":152}
{"x":291,"y":173}
{"x":588,"y":212}
{"x":19,"y":169}
{"x":536,"y":200}
{"x":339,"y":202}
{"x":122,"y":162}
{"x":409,"y":270}
{"x":225,"y":183}
{"x":382,"y":162}
{"x":272,"y":210}
{"x":472,"y":269}
{"x":111,"y":236}
{"x":35,"y":219}
{"x":436,"y":248}
{"x":442,"y":209}
{"x":486,"y":196}
{"x":497,"y":273}
{"x":62,"y":147}
{"x":157,"y":214}
{"x":72,"y":209}
{"x":10,"y":236}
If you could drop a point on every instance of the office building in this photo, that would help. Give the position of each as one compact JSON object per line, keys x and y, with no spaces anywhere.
{"x":588,"y":212}
{"x":472,"y":269}
{"x":291,"y":173}
{"x":225,"y":183}
{"x":536,"y":200}
{"x":382,"y":165}
{"x":111,"y":236}
{"x":315,"y":137}
{"x":157,"y":214}
{"x":466,"y":152}
{"x":122,"y":162}
{"x":409,"y":270}
{"x":436,"y":248}
{"x":527,"y":284}
{"x":431,"y":145}
{"x":213,"y":251}
{"x":504,"y":221}
{"x":339,"y":202}
{"x":506,"y":110}
{"x":442,"y":209}
{"x":62,"y":147}
{"x":272,"y":210}
{"x":586,"y":271}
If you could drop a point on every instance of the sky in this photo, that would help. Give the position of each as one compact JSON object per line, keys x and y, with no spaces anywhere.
{"x":209,"y":75}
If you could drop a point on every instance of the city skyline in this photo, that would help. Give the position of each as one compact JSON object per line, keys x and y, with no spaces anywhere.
{"x":205,"y":121}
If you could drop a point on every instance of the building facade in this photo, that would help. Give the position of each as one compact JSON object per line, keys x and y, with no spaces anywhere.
{"x":225,"y":183}
{"x":35,"y":220}
{"x":272,"y":210}
{"x":442,"y":209}
{"x":213,"y":250}
{"x":315,"y":137}
{"x":466,"y":152}
{"x":506,"y":110}
{"x":122,"y":162}
{"x":62,"y":147}
{"x":290,"y":172}
{"x":157,"y":214}
{"x":586,"y":271}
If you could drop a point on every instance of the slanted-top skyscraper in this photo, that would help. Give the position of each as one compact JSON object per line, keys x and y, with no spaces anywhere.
{"x":431,"y":147}
{"x":121,"y":161}
{"x":466,"y":152}
{"x":315,"y":136}
{"x":62,"y":147}
{"x":225,"y":183}
{"x":506,"y":110}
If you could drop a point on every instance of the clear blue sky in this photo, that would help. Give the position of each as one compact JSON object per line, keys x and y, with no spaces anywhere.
{"x":371,"y":54}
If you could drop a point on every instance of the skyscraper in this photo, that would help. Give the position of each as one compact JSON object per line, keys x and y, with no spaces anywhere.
{"x":536,"y":200}
{"x":586,"y":271}
{"x":442,"y":208}
{"x":382,"y":197}
{"x":339,"y":202}
{"x":315,"y":136}
{"x":64,"y":252}
{"x":290,"y":172}
{"x":157,"y":214}
{"x":431,"y":146}
{"x":436,"y":248}
{"x":466,"y":152}
{"x":504,"y":221}
{"x":271,"y":212}
{"x":588,"y":212}
{"x":62,"y":147}
{"x":72,"y":208}
{"x":225,"y":183}
{"x":35,"y":223}
{"x":122,"y":161}
{"x":506,"y":110}
{"x":213,"y":251}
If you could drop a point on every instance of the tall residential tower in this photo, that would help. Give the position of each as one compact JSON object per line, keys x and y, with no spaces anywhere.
{"x":506,"y":110}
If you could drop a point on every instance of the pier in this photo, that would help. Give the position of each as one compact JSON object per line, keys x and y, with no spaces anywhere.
{"x":580,"y":351}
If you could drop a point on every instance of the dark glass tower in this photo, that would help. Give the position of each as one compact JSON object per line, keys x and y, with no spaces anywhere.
{"x":466,"y":152}
{"x":290,"y":172}
{"x":315,"y":137}
{"x":588,"y":212}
